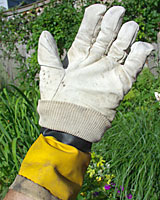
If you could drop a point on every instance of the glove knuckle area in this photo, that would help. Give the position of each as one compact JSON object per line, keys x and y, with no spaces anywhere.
{"x":124,"y":79}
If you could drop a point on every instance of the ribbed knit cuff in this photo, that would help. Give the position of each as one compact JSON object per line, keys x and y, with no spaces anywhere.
{"x":82,"y":122}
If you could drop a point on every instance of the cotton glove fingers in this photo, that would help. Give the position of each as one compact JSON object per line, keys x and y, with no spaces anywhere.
{"x":101,"y":85}
{"x":121,"y":46}
{"x":103,"y":63}
{"x":96,"y":33}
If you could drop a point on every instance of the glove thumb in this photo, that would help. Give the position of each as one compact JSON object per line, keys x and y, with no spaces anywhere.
{"x":48,"y":52}
{"x":52,"y":71}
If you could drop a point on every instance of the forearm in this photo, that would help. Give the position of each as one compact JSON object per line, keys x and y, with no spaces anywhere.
{"x":14,"y":195}
{"x":23,"y":188}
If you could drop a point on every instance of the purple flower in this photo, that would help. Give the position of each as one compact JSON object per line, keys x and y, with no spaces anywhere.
{"x":122,"y":188}
{"x":107,"y":187}
{"x":129,"y":196}
{"x":118,"y":191}
{"x":95,"y":194}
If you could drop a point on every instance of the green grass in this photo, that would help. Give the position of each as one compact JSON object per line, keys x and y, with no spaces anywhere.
{"x":131,"y":146}
{"x":18,"y":130}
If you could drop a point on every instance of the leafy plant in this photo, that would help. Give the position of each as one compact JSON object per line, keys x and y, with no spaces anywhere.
{"x":146,"y":13}
{"x":63,"y":19}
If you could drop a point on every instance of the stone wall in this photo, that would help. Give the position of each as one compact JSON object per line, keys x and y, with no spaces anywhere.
{"x":7,"y":71}
{"x":153,"y":61}
{"x":8,"y":67}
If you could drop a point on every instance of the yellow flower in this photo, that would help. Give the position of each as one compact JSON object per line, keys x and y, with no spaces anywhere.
{"x":91,"y":172}
{"x":113,"y":176}
{"x":98,"y":179}
{"x":108,"y":176}
{"x":82,"y":194}
{"x":109,"y":181}
{"x":100,"y":163}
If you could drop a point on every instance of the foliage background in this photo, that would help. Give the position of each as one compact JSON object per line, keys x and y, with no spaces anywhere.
{"x":63,"y":20}
{"x":131,"y":146}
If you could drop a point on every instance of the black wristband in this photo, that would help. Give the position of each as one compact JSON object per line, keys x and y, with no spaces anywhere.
{"x":69,"y":139}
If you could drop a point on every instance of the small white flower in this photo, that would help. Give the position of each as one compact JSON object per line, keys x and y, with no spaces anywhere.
{"x":157,"y":95}
{"x":107,"y":165}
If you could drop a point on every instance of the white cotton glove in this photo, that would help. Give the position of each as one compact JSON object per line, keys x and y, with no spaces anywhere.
{"x":82,"y":99}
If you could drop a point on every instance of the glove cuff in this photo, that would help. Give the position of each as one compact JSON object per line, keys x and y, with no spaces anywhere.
{"x":76,"y":120}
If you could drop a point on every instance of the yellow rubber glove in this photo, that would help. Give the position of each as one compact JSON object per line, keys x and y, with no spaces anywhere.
{"x":56,"y":166}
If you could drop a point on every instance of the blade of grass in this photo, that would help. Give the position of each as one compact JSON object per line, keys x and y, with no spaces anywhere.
{"x":14,"y":142}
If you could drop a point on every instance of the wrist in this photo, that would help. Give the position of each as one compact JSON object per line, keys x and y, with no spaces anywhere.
{"x":68,"y":139}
